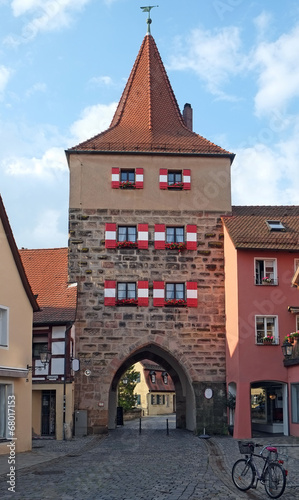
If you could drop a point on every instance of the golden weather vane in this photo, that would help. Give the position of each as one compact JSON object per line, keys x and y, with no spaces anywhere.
{"x":149,"y":21}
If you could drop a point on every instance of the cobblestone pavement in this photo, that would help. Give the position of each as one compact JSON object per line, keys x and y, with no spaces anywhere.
{"x":129,"y":465}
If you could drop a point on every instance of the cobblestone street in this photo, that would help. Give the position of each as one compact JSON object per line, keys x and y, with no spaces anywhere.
{"x":128,"y":465}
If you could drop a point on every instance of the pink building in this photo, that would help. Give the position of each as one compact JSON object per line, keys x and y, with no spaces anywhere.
{"x":261,"y":256}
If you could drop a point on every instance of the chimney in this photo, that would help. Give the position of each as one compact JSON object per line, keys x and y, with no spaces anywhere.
{"x":188,"y":116}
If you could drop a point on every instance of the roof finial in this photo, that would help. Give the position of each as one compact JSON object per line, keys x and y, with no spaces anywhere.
{"x":149,"y":21}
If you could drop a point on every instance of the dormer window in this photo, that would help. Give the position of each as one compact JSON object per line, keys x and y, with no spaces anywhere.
{"x":153,"y":376}
{"x":165,"y":377}
{"x":275,"y":225}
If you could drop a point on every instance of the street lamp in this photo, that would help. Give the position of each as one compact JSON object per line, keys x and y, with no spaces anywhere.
{"x":44,"y":356}
{"x":287,"y":349}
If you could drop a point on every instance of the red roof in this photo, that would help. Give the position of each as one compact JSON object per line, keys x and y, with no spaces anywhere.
{"x":148,"y":118}
{"x":47,"y":272}
{"x":248,"y":228}
{"x":159,"y":385}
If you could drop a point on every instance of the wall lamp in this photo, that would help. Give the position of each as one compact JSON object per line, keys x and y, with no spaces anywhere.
{"x":44,"y":356}
{"x":287,"y":349}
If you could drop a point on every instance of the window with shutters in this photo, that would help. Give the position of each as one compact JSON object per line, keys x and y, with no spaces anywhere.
{"x":172,"y":237}
{"x":131,"y":178}
{"x":175,"y":179}
{"x":126,"y":293}
{"x":127,"y":237}
{"x":175,"y":238}
{"x":174,"y":294}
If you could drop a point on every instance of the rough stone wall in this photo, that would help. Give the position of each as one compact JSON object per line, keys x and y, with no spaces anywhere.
{"x":106,"y":335}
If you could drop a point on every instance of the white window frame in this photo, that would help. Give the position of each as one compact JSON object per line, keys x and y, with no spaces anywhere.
{"x":296,"y":264}
{"x":273,"y":275}
{"x":5,"y":392}
{"x":4,"y":327}
{"x":275,"y":334}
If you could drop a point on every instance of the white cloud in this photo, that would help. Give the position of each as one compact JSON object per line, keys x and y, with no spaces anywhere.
{"x":37,"y":87}
{"x":53,"y":160}
{"x":262,"y":23}
{"x":5,"y":74}
{"x":267,"y":174}
{"x":47,"y":230}
{"x":46,"y":15}
{"x":212,"y":56}
{"x":279,"y":72}
{"x":101,"y":80}
{"x":94,"y":119}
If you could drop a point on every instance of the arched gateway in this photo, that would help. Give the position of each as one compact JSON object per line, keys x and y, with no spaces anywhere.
{"x":146,"y":249}
{"x":185,"y":397}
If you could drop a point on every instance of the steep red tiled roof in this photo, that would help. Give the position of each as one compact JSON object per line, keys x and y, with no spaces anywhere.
{"x":148,"y":118}
{"x":47,"y":272}
{"x":159,"y":385}
{"x":16,"y":256}
{"x":247,"y":227}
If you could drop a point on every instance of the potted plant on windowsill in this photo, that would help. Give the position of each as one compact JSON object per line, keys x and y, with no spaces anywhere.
{"x":266,"y":280}
{"x":268,"y":340}
{"x":176,"y":185}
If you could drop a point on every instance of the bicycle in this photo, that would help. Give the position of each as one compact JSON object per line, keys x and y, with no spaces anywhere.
{"x":245,"y":474}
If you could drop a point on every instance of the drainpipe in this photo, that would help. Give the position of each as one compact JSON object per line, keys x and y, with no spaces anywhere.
{"x":66,"y":353}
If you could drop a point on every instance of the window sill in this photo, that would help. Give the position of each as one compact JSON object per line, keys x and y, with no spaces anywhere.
{"x":175,"y":246}
{"x":175,"y":303}
{"x":126,"y":244}
{"x":267,"y":343}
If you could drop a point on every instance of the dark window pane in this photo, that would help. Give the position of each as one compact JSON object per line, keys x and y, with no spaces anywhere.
{"x":170,"y":291}
{"x":179,"y":291}
{"x":169,"y":234}
{"x":131,"y":234}
{"x":121,"y":291}
{"x":122,"y":234}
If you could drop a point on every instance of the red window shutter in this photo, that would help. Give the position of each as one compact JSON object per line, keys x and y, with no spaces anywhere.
{"x":160,"y":236}
{"x":187,"y":179}
{"x":163,"y":179}
{"x":110,"y":235}
{"x":142,"y":235}
{"x":143,"y":293}
{"x":191,"y":236}
{"x":191,"y":287}
{"x":109,"y":293}
{"x":115,"y":178}
{"x":139,"y":178}
{"x":158,"y":293}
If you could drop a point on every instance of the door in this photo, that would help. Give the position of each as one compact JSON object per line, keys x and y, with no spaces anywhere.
{"x":48,"y":413}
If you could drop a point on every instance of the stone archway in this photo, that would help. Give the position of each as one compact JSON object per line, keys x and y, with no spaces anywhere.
{"x":185,"y":398}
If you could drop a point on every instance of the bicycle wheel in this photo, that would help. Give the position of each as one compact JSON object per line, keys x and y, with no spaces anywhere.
{"x":275,"y":480}
{"x":243,"y":474}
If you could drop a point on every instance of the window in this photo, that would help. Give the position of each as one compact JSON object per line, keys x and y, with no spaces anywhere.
{"x":175,"y":291}
{"x":265,"y":272}
{"x":275,"y":225}
{"x":138,"y":399}
{"x":174,"y":179}
{"x":126,"y":291}
{"x":165,"y":377}
{"x":297,"y":323}
{"x":153,"y":399}
{"x":158,"y":399}
{"x":174,"y":235}
{"x":127,"y":178}
{"x":3,"y":326}
{"x":266,"y":326}
{"x":5,"y":394}
{"x":127,"y":234}
{"x":295,"y":403}
{"x":137,"y":380}
{"x":39,"y":344}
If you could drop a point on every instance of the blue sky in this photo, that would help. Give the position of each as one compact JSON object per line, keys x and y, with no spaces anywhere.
{"x":63,"y":67}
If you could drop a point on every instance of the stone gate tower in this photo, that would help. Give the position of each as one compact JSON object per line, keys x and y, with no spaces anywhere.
{"x":146,"y":249}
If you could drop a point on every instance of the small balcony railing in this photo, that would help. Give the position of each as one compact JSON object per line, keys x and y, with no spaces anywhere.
{"x":266,"y":281}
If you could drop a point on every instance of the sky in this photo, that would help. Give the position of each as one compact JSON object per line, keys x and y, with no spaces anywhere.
{"x":64,"y":65}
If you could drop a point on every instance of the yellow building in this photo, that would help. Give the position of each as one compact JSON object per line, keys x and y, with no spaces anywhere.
{"x":155,"y":389}
{"x":17,"y":304}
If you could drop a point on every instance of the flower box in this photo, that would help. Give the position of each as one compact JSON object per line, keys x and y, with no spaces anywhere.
{"x":126,"y":244}
{"x":126,"y":302}
{"x":176,"y":303}
{"x":127,"y":185}
{"x":268,"y":340}
{"x":266,"y":281}
{"x":175,"y":246}
{"x":177,"y":185}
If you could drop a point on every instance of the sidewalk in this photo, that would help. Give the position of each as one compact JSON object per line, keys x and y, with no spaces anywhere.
{"x":45,"y":450}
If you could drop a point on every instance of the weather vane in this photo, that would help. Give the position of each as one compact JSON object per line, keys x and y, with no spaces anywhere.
{"x":149,"y":21}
